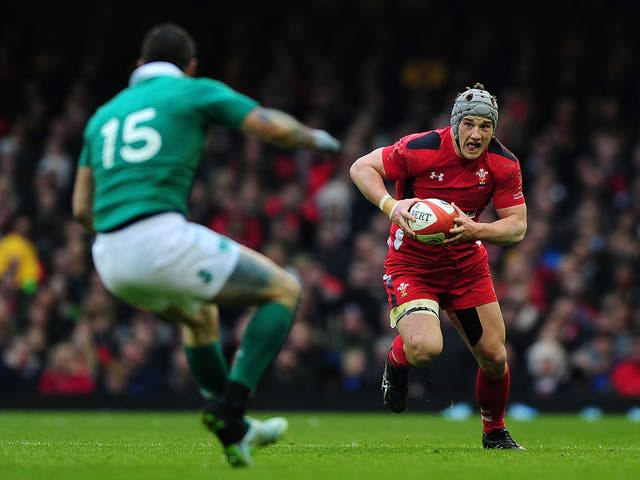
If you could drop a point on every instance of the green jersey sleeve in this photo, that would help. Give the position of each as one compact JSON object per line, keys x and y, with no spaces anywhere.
{"x":221,"y":104}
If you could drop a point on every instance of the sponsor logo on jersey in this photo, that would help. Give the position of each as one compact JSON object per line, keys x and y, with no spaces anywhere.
{"x":436,"y":176}
{"x":482,"y":175}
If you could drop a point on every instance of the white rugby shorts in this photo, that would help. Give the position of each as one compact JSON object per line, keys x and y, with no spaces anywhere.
{"x":165,"y":260}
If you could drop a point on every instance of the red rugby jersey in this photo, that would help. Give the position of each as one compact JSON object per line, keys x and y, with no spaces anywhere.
{"x":426,"y":165}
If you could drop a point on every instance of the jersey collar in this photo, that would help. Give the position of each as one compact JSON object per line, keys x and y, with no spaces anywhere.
{"x":154,"y":69}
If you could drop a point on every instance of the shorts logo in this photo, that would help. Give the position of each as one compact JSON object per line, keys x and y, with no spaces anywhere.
{"x":205,"y":276}
{"x":402,"y":288}
{"x":438,"y":176}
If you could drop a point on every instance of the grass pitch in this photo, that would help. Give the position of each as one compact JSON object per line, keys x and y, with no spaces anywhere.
{"x":327,"y":446}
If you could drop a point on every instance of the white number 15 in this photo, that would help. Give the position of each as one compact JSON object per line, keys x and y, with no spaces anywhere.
{"x":132,"y":132}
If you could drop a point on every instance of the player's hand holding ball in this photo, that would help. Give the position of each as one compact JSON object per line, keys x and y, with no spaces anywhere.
{"x":465,"y":228}
{"x":433,"y":220}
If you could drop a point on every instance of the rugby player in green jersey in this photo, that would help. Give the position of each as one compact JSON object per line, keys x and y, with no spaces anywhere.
{"x":139,"y":157}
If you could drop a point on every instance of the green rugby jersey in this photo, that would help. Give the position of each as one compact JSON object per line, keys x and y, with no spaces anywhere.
{"x":145,"y":144}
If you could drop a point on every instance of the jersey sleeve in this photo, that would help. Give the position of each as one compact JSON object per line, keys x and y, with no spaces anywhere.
{"x":84,"y":160}
{"x":394,"y":160}
{"x":508,"y":190}
{"x":221,"y":104}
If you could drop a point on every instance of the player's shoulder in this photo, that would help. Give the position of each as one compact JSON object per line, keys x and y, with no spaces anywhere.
{"x":429,"y":140}
{"x":207,"y":83}
{"x":98,"y":117}
{"x":499,"y":151}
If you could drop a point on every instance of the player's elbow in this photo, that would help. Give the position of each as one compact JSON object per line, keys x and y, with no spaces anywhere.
{"x":79,"y":207}
{"x":519,"y":233}
{"x":358,"y":169}
{"x":517,"y":239}
{"x":79,"y":215}
{"x":353,"y":170}
{"x":83,"y":215}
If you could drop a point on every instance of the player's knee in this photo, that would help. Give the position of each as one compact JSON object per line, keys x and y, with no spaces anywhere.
{"x":287,"y":290}
{"x":421,"y":350}
{"x":292,"y":287}
{"x":493,"y":361}
{"x":202,"y":333}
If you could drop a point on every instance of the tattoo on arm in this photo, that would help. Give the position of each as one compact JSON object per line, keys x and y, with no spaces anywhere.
{"x":284,"y":130}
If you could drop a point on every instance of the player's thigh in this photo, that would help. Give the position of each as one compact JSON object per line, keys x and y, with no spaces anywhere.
{"x":420,"y":325}
{"x":483,"y":330}
{"x":415,"y":310}
{"x":474,"y":309}
{"x":257,"y":279}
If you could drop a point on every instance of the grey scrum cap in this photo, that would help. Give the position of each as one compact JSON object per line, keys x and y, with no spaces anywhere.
{"x":474,"y":101}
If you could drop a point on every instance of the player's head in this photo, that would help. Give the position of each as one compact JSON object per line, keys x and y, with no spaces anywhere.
{"x":168,"y":42}
{"x":475,"y":102}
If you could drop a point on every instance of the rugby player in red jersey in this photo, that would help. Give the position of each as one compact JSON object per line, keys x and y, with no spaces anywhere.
{"x":465,"y":165}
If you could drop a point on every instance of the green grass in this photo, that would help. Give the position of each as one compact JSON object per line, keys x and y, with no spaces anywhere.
{"x":158,"y":446}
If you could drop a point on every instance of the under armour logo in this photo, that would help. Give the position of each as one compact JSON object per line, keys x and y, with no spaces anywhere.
{"x":434,"y":175}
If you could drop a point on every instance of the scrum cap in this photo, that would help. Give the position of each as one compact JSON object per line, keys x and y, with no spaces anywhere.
{"x":474,"y":101}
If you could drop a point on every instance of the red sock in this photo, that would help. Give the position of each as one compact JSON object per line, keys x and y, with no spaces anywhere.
{"x":492,"y":395}
{"x":396,"y":354}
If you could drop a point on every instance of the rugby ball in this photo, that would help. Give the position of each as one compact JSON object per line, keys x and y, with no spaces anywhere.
{"x":433,"y":220}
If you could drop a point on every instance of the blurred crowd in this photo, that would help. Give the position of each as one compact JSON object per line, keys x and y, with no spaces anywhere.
{"x":369,"y":72}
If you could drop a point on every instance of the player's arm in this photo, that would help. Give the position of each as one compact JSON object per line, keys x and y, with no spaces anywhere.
{"x":509,"y":229}
{"x":82,"y":201}
{"x":368,"y":174}
{"x":283,"y":130}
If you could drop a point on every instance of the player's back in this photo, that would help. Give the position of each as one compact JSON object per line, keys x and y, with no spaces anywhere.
{"x":145,"y":144}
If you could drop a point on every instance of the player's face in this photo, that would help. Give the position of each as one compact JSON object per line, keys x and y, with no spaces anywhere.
{"x":474,"y":135}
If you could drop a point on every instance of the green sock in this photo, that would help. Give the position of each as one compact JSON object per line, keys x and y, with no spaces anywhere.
{"x":262,"y":340}
{"x":208,"y":366}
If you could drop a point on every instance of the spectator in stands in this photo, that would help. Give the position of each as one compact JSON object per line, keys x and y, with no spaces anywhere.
{"x":353,"y":370}
{"x":143,"y":377}
{"x":18,"y":255}
{"x":547,"y":364}
{"x":67,"y":372}
{"x":592,"y":362}
{"x":625,"y":376}
{"x":19,"y":367}
{"x":8,"y":203}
